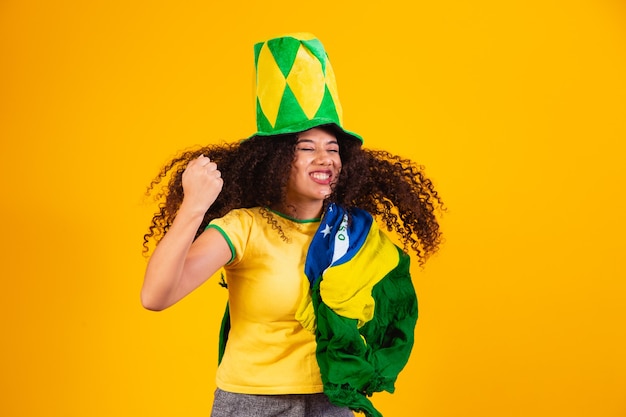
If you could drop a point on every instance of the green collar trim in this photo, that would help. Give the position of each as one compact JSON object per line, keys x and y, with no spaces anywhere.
{"x":284,"y":216}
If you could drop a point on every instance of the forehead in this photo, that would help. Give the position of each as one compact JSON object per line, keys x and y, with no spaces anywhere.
{"x":317,"y":134}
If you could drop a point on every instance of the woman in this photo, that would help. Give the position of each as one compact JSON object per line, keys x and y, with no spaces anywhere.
{"x":277,"y":211}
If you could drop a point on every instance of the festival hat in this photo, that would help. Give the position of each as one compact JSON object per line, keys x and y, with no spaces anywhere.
{"x":295,"y":87}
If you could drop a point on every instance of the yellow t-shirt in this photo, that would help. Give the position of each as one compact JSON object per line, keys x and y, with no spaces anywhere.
{"x":268,"y":350}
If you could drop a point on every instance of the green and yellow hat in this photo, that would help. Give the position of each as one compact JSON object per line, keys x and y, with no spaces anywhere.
{"x":295,"y":86}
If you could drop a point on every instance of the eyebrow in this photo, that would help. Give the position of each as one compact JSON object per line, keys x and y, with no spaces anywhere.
{"x":330,"y":142}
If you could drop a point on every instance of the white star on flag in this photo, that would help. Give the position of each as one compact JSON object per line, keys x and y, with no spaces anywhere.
{"x":326,"y":230}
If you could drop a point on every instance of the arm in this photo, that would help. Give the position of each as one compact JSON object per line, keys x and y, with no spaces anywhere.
{"x":179,"y":265}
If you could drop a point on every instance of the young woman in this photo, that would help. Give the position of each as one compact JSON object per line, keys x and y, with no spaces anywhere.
{"x":288,"y":214}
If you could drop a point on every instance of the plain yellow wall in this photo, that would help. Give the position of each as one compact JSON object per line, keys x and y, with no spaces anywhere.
{"x":516,"y":108}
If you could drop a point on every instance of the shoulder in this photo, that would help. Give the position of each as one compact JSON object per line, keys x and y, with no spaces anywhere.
{"x":237,"y":227}
{"x":242,"y":221}
{"x":240,"y":215}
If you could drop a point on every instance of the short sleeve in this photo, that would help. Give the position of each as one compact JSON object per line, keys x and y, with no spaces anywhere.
{"x":235,"y":226}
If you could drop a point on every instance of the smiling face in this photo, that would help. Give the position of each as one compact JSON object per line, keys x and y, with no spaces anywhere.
{"x":314,"y":171}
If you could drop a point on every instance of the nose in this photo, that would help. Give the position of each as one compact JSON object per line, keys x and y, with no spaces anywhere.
{"x":323,"y":157}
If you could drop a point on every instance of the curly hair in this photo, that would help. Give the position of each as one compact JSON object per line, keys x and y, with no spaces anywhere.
{"x":394,"y":190}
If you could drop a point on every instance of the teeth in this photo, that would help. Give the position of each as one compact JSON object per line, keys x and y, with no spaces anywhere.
{"x":320,"y":176}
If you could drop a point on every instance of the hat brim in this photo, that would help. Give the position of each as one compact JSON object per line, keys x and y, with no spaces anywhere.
{"x":309,"y":124}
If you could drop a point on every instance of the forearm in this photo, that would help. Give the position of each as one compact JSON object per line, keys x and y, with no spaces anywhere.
{"x":164,"y":273}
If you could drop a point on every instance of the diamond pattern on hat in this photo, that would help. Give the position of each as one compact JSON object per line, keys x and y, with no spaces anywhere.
{"x":284,"y":51}
{"x":270,"y":84}
{"x":327,"y":110}
{"x":331,"y":83}
{"x":261,"y":121}
{"x":290,"y":112}
{"x":317,"y":49}
{"x":306,"y":81}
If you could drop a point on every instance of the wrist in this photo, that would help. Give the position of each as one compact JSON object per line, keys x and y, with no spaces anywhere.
{"x":191,"y":211}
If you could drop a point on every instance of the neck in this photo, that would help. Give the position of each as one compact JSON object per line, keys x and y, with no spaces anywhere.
{"x":300,"y":211}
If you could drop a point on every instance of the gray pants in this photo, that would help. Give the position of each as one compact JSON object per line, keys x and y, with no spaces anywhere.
{"x":228,"y":404}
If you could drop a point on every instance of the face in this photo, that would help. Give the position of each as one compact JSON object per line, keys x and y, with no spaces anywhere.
{"x":315,"y":168}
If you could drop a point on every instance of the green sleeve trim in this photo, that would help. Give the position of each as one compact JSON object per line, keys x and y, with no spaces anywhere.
{"x":233,"y":252}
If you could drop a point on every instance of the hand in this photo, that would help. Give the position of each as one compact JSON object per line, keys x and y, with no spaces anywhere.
{"x":202,"y":183}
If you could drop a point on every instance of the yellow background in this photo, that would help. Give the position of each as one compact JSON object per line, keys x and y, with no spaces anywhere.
{"x":517,"y":109}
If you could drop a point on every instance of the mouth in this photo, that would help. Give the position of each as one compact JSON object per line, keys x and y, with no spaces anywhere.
{"x":321,"y":177}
